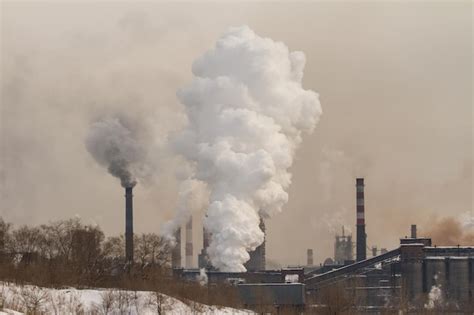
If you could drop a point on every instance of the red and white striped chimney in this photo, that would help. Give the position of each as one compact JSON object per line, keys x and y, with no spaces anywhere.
{"x":361,"y":250}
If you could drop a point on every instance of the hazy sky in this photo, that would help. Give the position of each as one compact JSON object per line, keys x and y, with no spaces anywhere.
{"x":394,"y":78}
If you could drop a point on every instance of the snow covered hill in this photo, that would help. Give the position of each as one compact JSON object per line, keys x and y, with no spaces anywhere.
{"x":15,"y":299}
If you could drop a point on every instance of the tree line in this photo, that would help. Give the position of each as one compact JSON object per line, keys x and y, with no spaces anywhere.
{"x":78,"y":252}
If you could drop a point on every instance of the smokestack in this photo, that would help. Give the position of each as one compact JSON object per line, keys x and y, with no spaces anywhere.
{"x":189,"y":243}
{"x":176,"y":251}
{"x":203,"y":258}
{"x":129,"y":224}
{"x":257,"y":257}
{"x":413,"y":231}
{"x":374,"y":251}
{"x":361,"y":236}
{"x":309,"y":255}
{"x":206,"y":238}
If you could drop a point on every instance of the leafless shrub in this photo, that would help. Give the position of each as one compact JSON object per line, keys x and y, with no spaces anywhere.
{"x":108,"y":302}
{"x":3,"y":296}
{"x":159,"y":302}
{"x":74,"y":304}
{"x":124,"y":301}
{"x":33,"y":298}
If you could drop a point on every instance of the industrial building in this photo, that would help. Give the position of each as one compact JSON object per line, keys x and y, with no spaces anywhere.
{"x":343,"y":249}
{"x":389,"y":280}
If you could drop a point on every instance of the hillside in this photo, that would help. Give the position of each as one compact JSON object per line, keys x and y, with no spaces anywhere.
{"x":16,"y":299}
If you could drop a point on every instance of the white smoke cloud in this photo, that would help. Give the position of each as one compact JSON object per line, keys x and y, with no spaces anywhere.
{"x":467,"y":221}
{"x":246,"y":111}
{"x":202,"y":277}
{"x":193,"y":196}
{"x":116,"y":146}
{"x":435,"y":297}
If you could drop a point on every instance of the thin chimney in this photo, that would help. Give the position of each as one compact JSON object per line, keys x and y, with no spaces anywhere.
{"x":361,"y":253}
{"x":203,"y":258}
{"x":310,"y":260}
{"x":413,"y":231}
{"x":129,"y":224}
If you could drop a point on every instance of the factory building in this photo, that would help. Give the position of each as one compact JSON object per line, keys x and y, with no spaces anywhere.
{"x":343,"y":249}
{"x":401,"y":277}
{"x":447,"y":269}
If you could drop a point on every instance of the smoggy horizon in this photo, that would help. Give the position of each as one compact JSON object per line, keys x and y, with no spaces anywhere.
{"x":394,"y":81}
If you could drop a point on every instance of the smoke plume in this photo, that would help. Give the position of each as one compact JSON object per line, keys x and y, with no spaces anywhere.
{"x":452,"y":231}
{"x":116,"y":146}
{"x":246,"y":111}
{"x":193,"y":196}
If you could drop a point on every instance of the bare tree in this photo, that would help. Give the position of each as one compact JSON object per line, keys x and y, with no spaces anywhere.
{"x":33,"y":298}
{"x":4,"y":234}
{"x":108,"y":302}
{"x":151,"y":249}
{"x":114,"y":247}
{"x":159,"y":302}
{"x":25,"y":240}
{"x":58,"y":237}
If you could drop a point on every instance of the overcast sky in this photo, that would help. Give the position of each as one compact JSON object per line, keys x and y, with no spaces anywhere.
{"x":395,"y":84}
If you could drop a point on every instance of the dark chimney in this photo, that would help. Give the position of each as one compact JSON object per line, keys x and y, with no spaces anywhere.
{"x":361,"y":236}
{"x":374,"y":251}
{"x":129,"y":224}
{"x":413,"y":231}
{"x":203,"y":258}
{"x":257,"y":257}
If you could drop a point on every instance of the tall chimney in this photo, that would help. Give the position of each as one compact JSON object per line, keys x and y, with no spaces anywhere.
{"x":361,"y":251}
{"x":413,"y":231}
{"x":206,"y":238}
{"x":257,"y":257}
{"x":309,"y":255}
{"x":203,"y":258}
{"x":189,"y":243}
{"x":374,"y":251}
{"x":176,"y":251}
{"x":129,"y":224}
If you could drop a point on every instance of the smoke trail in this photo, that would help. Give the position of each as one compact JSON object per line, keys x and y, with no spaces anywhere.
{"x":452,"y":230}
{"x":246,"y":111}
{"x":116,"y":146}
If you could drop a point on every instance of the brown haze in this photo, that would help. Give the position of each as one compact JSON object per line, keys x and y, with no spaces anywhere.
{"x":395,"y":81}
{"x":450,"y":231}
